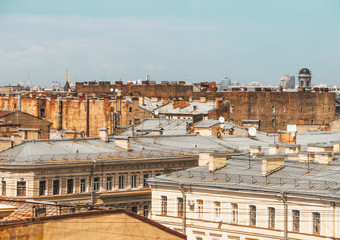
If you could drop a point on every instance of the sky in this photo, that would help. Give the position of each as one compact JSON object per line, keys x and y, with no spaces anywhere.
{"x":173,"y":40}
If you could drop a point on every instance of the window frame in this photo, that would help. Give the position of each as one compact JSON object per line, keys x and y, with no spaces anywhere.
{"x":271,"y":217}
{"x":234,"y":212}
{"x":164,"y":205}
{"x":296,"y":220}
{"x":96,"y":184}
{"x":56,"y":191}
{"x":42,"y":187}
{"x":82,"y":185}
{"x":70,"y":186}
{"x":109,"y":183}
{"x":121,"y":182}
{"x":134,"y":181}
{"x":200,"y":208}
{"x":316,"y":222}
{"x":180,"y":207}
{"x":252,"y":215}
{"x":21,"y":190}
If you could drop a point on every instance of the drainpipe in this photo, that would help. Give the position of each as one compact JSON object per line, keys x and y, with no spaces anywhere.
{"x":87,"y":117}
{"x":333,"y":205}
{"x":91,"y":182}
{"x":184,"y":217}
{"x":285,"y":215}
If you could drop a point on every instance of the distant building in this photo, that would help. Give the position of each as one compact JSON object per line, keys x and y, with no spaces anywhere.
{"x":30,"y":126}
{"x":287,"y":81}
{"x":305,"y":78}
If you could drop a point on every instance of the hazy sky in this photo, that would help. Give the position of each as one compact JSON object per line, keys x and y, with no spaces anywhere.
{"x":168,"y":40}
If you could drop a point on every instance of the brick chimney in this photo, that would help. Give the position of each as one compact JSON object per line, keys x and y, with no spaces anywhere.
{"x":272,"y":163}
{"x":16,"y":139}
{"x":123,"y":142}
{"x":103,"y":134}
{"x":215,"y":160}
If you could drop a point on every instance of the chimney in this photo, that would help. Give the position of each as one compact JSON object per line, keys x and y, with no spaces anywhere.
{"x":16,"y":139}
{"x":215,"y":160}
{"x":123,"y":142}
{"x":272,"y":163}
{"x":323,"y":157}
{"x":273,"y":149}
{"x":103,"y":134}
{"x":254,"y":150}
{"x":336,"y":146}
{"x":203,"y":99}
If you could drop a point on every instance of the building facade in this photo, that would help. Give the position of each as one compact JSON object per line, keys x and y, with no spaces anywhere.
{"x":86,"y":172}
{"x":248,"y":199}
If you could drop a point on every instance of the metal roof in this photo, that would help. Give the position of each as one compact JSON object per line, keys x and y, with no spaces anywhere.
{"x":195,"y":107}
{"x":322,"y":180}
{"x":206,"y":123}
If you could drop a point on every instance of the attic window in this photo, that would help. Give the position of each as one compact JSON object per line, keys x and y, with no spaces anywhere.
{"x":195,"y":108}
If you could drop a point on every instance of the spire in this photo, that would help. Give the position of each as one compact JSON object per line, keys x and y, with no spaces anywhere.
{"x":67,"y":84}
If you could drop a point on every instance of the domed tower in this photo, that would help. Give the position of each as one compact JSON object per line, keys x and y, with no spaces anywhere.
{"x":305,"y":78}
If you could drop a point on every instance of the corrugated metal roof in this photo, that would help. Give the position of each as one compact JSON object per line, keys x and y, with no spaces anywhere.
{"x":206,"y":123}
{"x":322,"y":180}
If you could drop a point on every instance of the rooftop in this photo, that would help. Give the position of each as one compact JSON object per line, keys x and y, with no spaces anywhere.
{"x":195,"y":107}
{"x":321,"y":180}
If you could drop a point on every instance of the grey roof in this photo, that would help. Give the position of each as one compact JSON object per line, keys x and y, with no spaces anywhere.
{"x":322,"y":180}
{"x":195,"y":107}
{"x":206,"y":123}
{"x":150,"y":125}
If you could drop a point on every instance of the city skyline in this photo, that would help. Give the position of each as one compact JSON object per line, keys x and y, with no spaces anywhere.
{"x":193,"y":40}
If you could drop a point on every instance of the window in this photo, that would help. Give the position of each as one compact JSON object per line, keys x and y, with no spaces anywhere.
{"x":145,"y":184}
{"x":312,"y":121}
{"x":121,"y":182}
{"x":133,"y":181}
{"x":301,"y":109}
{"x":271,"y":217}
{"x":232,"y":108}
{"x":273,"y":109}
{"x":146,"y":211}
{"x":42,"y":188}
{"x":179,"y":207}
{"x":316,"y":222}
{"x":234,"y":207}
{"x":96,"y":184}
{"x":252,"y":215}
{"x":134,"y":209}
{"x":82,"y":185}
{"x":109,"y":183}
{"x":164,"y":205}
{"x":200,"y":209}
{"x":217,"y":209}
{"x":130,"y":109}
{"x":56,"y":186}
{"x":42,"y":113}
{"x":69,"y":186}
{"x":296,"y":220}
{"x":21,"y":189}
{"x":3,"y":188}
{"x":273,"y":123}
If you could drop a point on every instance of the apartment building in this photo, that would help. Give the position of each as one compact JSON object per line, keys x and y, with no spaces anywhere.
{"x":243,"y":198}
{"x":87,"y":171}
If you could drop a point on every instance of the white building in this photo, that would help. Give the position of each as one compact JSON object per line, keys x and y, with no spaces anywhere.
{"x":287,"y":81}
{"x":247,"y":199}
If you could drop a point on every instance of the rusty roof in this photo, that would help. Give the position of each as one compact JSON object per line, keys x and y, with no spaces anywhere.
{"x":24,"y":209}
{"x":5,"y":113}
